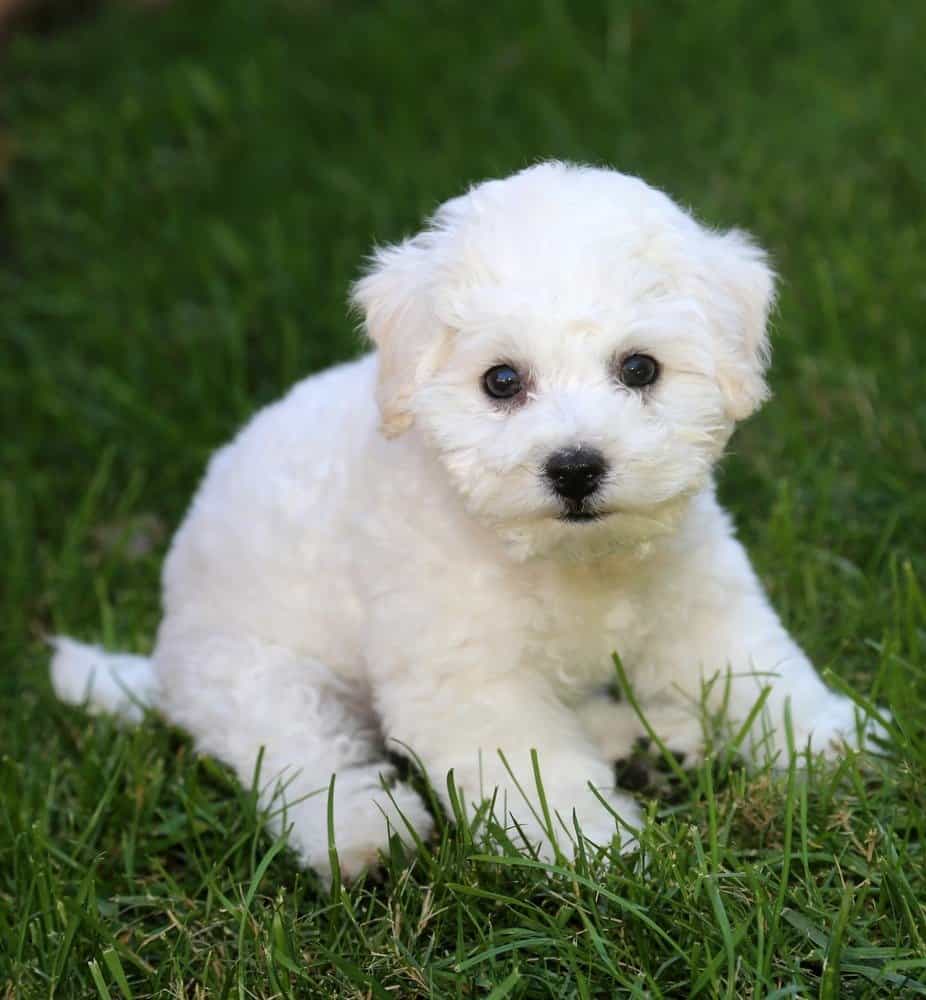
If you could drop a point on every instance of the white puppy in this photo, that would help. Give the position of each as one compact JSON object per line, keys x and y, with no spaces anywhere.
{"x":440,"y":546}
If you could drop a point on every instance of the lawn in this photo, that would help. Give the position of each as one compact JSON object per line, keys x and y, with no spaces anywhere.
{"x":186,"y":194}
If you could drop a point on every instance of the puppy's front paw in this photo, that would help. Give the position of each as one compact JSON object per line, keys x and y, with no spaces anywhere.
{"x":600,"y":827}
{"x":595,"y":819}
{"x":836,"y":725}
{"x":622,"y":737}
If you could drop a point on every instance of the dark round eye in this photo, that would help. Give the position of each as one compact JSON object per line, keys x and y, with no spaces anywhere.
{"x":638,"y":370}
{"x":502,"y":382}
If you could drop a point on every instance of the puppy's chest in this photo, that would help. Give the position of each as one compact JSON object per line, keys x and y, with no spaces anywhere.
{"x":575,"y":628}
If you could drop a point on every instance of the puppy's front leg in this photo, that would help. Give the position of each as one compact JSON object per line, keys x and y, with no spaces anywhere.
{"x":456,"y":717}
{"x":723,"y":633}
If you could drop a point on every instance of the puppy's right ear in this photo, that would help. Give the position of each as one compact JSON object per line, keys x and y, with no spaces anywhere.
{"x":395,"y":299}
{"x":739,"y":293}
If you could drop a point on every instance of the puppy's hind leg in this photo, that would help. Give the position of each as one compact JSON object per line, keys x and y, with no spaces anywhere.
{"x":241,"y":697}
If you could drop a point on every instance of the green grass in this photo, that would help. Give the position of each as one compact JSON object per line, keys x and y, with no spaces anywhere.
{"x":189,"y":194}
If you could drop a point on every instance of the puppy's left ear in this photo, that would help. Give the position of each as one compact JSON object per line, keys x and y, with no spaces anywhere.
{"x":395,"y":299}
{"x":741,"y":293}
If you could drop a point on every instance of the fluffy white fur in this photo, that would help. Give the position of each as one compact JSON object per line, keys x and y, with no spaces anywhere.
{"x":378,"y":556}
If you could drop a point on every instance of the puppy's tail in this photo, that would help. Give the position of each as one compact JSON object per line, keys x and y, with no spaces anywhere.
{"x":112,"y":683}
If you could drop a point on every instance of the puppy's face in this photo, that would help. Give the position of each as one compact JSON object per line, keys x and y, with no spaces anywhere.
{"x":575,"y":347}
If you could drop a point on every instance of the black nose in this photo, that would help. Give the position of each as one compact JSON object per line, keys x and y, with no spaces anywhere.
{"x":576,"y":473}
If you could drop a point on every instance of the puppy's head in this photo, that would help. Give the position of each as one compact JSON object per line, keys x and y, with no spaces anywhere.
{"x":576,"y":348}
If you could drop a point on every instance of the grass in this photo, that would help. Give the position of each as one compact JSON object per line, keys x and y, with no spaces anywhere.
{"x":187,"y":193}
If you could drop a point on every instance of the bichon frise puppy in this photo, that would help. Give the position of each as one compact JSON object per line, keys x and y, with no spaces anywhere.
{"x":441,"y":545}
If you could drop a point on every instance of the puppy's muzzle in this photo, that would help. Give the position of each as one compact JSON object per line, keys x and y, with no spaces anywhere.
{"x":575,"y":473}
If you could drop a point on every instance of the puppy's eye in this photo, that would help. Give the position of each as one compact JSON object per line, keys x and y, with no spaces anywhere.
{"x":502,"y":382}
{"x":638,"y":370}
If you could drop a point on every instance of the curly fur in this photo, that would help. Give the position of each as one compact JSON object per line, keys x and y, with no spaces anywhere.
{"x":378,"y":556}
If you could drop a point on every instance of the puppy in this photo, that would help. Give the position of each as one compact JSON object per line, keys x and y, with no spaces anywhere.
{"x":441,"y":545}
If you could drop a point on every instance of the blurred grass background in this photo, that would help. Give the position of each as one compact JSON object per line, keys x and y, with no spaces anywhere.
{"x":187,"y":191}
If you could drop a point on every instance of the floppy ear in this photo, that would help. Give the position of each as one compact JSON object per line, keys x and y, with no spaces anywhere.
{"x":395,"y":299}
{"x":740,"y":289}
